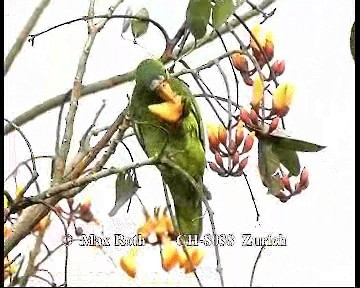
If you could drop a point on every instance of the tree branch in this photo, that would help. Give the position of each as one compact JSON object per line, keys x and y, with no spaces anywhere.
{"x":123,"y":78}
{"x":15,"y":49}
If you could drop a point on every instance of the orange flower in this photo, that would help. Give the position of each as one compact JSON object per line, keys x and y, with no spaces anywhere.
{"x":222,"y":134}
{"x":240,"y":62}
{"x":195,"y":254}
{"x":169,"y":256}
{"x":212,"y":131}
{"x":282,"y":99}
{"x":128,"y":262}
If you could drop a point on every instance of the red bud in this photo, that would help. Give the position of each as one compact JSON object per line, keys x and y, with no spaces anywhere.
{"x":85,"y":208}
{"x":254,"y":117}
{"x":240,"y":62}
{"x":245,"y":116}
{"x":286,"y":182}
{"x":278,"y":67}
{"x":247,"y":80}
{"x":219,"y":159}
{"x":243,"y":163}
{"x":216,"y":168}
{"x":248,"y":143}
{"x":232,"y":147}
{"x":304,"y":177}
{"x":274,"y":124}
{"x":235,"y":159}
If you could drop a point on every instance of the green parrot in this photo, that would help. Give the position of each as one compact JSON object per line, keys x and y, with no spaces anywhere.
{"x":160,"y":100}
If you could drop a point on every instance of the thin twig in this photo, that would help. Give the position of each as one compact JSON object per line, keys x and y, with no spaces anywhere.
{"x":254,"y":267}
{"x":252,"y":197}
{"x":16,"y":48}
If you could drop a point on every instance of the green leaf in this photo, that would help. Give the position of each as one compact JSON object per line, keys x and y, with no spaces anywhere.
{"x":268,"y":160}
{"x":221,"y":12}
{"x":296,"y":145}
{"x":125,"y":189}
{"x":139,"y":27}
{"x":197,"y":17}
{"x":352,"y":40}
{"x":289,"y":159}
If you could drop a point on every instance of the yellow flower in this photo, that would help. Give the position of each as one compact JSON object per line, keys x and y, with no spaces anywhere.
{"x":169,"y":256}
{"x":256,"y":31}
{"x":266,"y":43}
{"x":258,"y":93}
{"x":128,"y":262}
{"x":282,"y":99}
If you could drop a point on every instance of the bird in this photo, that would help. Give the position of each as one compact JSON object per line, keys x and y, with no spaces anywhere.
{"x":166,"y":119}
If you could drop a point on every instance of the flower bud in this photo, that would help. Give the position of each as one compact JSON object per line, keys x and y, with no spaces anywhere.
{"x":254,"y":117}
{"x":212,"y":131}
{"x":85,"y":206}
{"x":232,"y":147}
{"x":248,"y":143}
{"x":243,"y":163}
{"x":240,"y":62}
{"x":235,"y":158}
{"x":278,"y":67}
{"x":245,"y":116}
{"x":286,"y":182}
{"x":274,"y":124}
{"x":79,"y":231}
{"x":222,"y":134}
{"x":219,"y":159}
{"x":239,"y":137}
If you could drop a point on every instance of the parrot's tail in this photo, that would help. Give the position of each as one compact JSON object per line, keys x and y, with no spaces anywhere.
{"x":188,"y":206}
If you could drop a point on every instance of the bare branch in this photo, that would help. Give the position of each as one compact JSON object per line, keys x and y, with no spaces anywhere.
{"x":60,"y":161}
{"x":15,"y":49}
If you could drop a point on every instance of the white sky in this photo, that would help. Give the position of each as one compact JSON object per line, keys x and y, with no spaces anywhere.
{"x":313,"y":38}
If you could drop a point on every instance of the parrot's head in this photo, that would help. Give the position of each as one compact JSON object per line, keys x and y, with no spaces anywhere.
{"x":152,"y":76}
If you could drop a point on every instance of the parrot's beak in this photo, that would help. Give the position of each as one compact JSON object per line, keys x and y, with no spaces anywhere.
{"x":172,"y":109}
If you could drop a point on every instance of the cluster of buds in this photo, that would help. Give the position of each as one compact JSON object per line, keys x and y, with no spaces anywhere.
{"x":289,"y":191}
{"x":222,"y":146}
{"x":162,"y":228}
{"x":262,"y":48}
